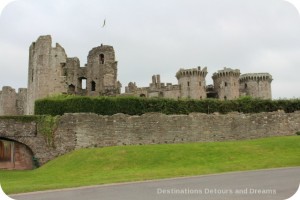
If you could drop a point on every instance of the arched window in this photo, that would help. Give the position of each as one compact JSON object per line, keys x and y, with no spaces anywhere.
{"x":142,"y":95}
{"x":246,"y":85}
{"x":225,"y":98}
{"x":93,"y":84}
{"x":101,"y":58}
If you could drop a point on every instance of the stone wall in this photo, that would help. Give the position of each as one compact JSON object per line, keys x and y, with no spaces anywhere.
{"x":26,"y":133}
{"x":83,"y":130}
{"x":12,"y":103}
{"x":45,"y":71}
{"x":8,"y":99}
{"x":92,"y":130}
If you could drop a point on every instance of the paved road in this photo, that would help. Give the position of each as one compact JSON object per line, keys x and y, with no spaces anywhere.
{"x":264,"y":184}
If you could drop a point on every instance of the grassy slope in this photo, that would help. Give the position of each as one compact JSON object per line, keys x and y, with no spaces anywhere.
{"x":131,"y":163}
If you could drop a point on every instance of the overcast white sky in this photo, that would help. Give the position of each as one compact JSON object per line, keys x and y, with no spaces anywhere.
{"x":160,"y":36}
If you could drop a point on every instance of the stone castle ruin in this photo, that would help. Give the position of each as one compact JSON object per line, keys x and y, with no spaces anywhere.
{"x":228,"y":84}
{"x":52,"y":72}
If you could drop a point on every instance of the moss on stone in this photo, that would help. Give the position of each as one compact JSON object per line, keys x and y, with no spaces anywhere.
{"x":23,"y":118}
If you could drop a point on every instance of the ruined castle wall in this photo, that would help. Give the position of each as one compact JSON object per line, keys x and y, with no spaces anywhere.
{"x":45,"y":73}
{"x":155,"y":94}
{"x":172,"y":94}
{"x":102,"y":72}
{"x":12,"y":103}
{"x":8,"y":101}
{"x":73,"y":72}
{"x":140,"y":92}
{"x":21,"y":101}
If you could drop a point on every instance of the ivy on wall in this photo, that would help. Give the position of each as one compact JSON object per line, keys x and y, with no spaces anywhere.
{"x":46,"y":125}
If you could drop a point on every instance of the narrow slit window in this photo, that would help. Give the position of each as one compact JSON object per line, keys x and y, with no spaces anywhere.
{"x":101,"y":58}
{"x":83,"y":84}
{"x":93,"y":84}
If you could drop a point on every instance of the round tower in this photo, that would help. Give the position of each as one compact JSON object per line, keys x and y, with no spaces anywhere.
{"x":226,"y":83}
{"x":257,"y":85}
{"x":192,"y":83}
{"x":102,"y":72}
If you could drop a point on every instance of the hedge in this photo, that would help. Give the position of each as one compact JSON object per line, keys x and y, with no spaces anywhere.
{"x":137,"y":106}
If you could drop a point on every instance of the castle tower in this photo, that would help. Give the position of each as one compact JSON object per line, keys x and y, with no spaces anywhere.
{"x":45,"y":72}
{"x":192,"y":83}
{"x":257,"y":85}
{"x":226,"y":83}
{"x":102,"y":72}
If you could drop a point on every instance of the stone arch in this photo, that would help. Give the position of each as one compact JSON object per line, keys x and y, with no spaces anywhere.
{"x":15,"y":155}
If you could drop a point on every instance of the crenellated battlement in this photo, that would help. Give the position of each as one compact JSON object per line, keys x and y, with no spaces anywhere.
{"x":227,"y":72}
{"x":192,"y":72}
{"x":256,"y":77}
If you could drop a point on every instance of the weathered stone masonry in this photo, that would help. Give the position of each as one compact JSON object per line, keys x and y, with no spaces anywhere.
{"x":25,"y":133}
{"x":83,"y":130}
{"x":93,"y":130}
{"x":52,"y":72}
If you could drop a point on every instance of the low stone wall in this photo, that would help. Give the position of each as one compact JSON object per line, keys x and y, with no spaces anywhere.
{"x":91,"y":130}
{"x":82,"y":130}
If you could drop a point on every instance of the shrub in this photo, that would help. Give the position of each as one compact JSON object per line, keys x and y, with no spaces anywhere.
{"x":58,"y":105}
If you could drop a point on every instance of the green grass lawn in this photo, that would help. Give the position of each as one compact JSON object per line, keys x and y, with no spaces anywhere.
{"x":132,"y":163}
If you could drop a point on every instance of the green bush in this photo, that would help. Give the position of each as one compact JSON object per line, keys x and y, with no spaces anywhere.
{"x":58,"y":105}
{"x":298,"y":133}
